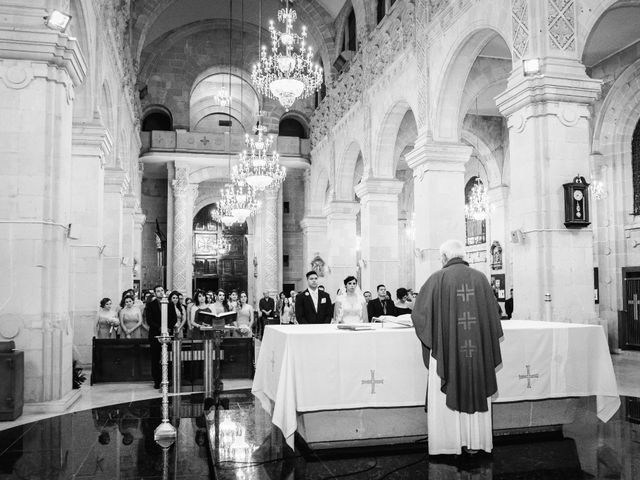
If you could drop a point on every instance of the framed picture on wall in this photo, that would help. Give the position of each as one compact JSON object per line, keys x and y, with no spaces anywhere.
{"x":227,"y":267}
{"x":498,"y":285}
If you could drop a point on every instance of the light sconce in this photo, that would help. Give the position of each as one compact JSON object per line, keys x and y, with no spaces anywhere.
{"x":531,"y":66}
{"x":57,"y":20}
{"x":124,"y":261}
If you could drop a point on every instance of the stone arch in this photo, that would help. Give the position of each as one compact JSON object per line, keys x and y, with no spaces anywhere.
{"x":595,"y":9}
{"x":318,"y":21}
{"x":208,"y":172}
{"x":486,"y":158}
{"x":346,"y":171}
{"x":157,"y":109}
{"x":458,"y":64}
{"x":298,"y":116}
{"x":318,"y":184}
{"x":80,"y":29}
{"x":384,"y":164}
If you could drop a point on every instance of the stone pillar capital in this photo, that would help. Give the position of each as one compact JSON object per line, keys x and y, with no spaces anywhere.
{"x":92,"y":140}
{"x":562,"y":88}
{"x":345,"y":209}
{"x":313,"y":224}
{"x":372,"y":188}
{"x":498,"y":194}
{"x":432,"y":156}
{"x":140,"y":219}
{"x":115,"y":181}
{"x":130,"y":203}
{"x":33,"y":48}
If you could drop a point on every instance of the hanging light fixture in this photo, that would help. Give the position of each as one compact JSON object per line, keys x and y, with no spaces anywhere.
{"x":241,"y":200}
{"x":222,"y":98}
{"x":288,"y":73}
{"x":477,"y":206}
{"x":258,"y":167}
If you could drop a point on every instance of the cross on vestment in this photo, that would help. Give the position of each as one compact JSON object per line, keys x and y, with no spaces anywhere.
{"x":372,"y":382}
{"x":468,"y":348}
{"x":528,"y":376}
{"x":465,"y":292}
{"x":466,"y":320}
{"x":205,"y":141}
{"x":635,"y":304}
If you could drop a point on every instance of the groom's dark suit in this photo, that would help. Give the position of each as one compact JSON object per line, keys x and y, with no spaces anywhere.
{"x":306,"y":311}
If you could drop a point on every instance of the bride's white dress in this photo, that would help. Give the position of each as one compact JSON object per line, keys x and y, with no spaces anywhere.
{"x":350,"y":309}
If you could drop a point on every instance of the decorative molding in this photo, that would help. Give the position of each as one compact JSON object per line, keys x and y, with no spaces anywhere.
{"x":421,"y":54}
{"x":270,"y":252}
{"x":384,"y":46}
{"x":561,"y":24}
{"x":520,"y":27}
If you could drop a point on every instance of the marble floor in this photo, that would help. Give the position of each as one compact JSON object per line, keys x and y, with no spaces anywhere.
{"x":109,"y":435}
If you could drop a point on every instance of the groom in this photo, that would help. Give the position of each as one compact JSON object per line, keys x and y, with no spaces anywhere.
{"x":313,"y":305}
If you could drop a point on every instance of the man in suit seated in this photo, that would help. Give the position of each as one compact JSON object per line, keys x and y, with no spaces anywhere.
{"x":381,"y":305}
{"x":313,"y":305}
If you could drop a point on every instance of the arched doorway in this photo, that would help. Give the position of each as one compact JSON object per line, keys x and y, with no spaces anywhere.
{"x":213,"y":269}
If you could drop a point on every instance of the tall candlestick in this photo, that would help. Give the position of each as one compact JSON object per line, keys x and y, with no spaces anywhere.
{"x":164,"y":329}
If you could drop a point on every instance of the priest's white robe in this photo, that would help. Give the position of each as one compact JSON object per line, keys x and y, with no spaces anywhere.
{"x":449,"y":430}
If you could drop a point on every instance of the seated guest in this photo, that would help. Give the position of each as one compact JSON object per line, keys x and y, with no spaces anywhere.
{"x":402,"y":303}
{"x":350,"y":306}
{"x":313,"y":305}
{"x":108,"y":323}
{"x":130,"y":318}
{"x":367,"y":296}
{"x":176,"y":315}
{"x":381,"y":305}
{"x":244,"y":319}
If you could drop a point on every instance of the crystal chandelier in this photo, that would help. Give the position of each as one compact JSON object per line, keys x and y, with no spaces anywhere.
{"x":222,"y":98}
{"x":287,"y":73}
{"x":478,"y":204}
{"x":258,"y":168}
{"x":238,"y":202}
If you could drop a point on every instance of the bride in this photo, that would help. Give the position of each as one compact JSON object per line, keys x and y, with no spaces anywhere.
{"x":350,"y":306}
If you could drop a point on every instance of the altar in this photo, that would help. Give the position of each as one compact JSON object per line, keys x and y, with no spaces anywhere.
{"x":334,"y":386}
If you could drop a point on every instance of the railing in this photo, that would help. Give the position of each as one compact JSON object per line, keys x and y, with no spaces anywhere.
{"x":183,"y":141}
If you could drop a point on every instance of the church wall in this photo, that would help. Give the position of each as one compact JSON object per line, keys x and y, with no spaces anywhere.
{"x":293,"y":193}
{"x":154,"y":206}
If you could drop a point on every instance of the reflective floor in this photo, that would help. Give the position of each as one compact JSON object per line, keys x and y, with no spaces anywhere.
{"x":116,"y":442}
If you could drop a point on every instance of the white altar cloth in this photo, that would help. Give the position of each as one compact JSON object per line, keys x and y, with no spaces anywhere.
{"x":305,"y":368}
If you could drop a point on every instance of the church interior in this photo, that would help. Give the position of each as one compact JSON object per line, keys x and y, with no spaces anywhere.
{"x":173,"y":143}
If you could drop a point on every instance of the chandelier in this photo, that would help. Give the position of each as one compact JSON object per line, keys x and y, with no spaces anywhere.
{"x":258,"y":168}
{"x":477,"y":206}
{"x":222,"y":98}
{"x":287,"y":73}
{"x":238,"y":202}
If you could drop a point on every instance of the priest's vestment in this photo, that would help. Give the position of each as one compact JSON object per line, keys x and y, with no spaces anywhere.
{"x":456,"y":318}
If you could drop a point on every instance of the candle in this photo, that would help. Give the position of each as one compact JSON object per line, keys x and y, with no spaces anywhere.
{"x":164,"y":329}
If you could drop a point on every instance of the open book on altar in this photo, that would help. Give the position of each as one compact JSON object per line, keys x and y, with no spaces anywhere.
{"x":401,"y":321}
{"x":217,"y":319}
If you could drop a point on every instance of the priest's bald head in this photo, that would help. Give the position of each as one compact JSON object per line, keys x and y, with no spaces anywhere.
{"x":451,"y":249}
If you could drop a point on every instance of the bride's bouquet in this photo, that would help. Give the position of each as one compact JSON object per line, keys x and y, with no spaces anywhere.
{"x":114,"y":324}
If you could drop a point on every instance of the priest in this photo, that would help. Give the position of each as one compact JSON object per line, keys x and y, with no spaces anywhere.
{"x":457,"y":320}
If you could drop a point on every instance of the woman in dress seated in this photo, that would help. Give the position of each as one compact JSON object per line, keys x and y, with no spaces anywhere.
{"x":403,"y":306}
{"x":130,"y":318}
{"x":244,"y":320}
{"x":108,"y":323}
{"x":350,"y":306}
{"x":195,"y":318}
{"x":176,"y":315}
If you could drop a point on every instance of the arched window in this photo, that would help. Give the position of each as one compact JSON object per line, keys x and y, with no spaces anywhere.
{"x":157,"y":120}
{"x":635,"y":165}
{"x":290,"y":127}
{"x":381,"y":10}
{"x":350,"y":34}
{"x":476,"y":229}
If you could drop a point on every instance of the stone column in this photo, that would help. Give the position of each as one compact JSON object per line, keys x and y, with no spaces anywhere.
{"x":342,"y":242}
{"x":184,"y":194}
{"x":498,"y":207}
{"x":271,"y":264}
{"x":39,"y":71}
{"x":91,"y":145}
{"x":116,"y":183}
{"x":130,"y":207}
{"x":314,"y":239}
{"x":379,"y":232}
{"x":548,"y":120}
{"x":139,"y":220}
{"x":438,"y":170}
